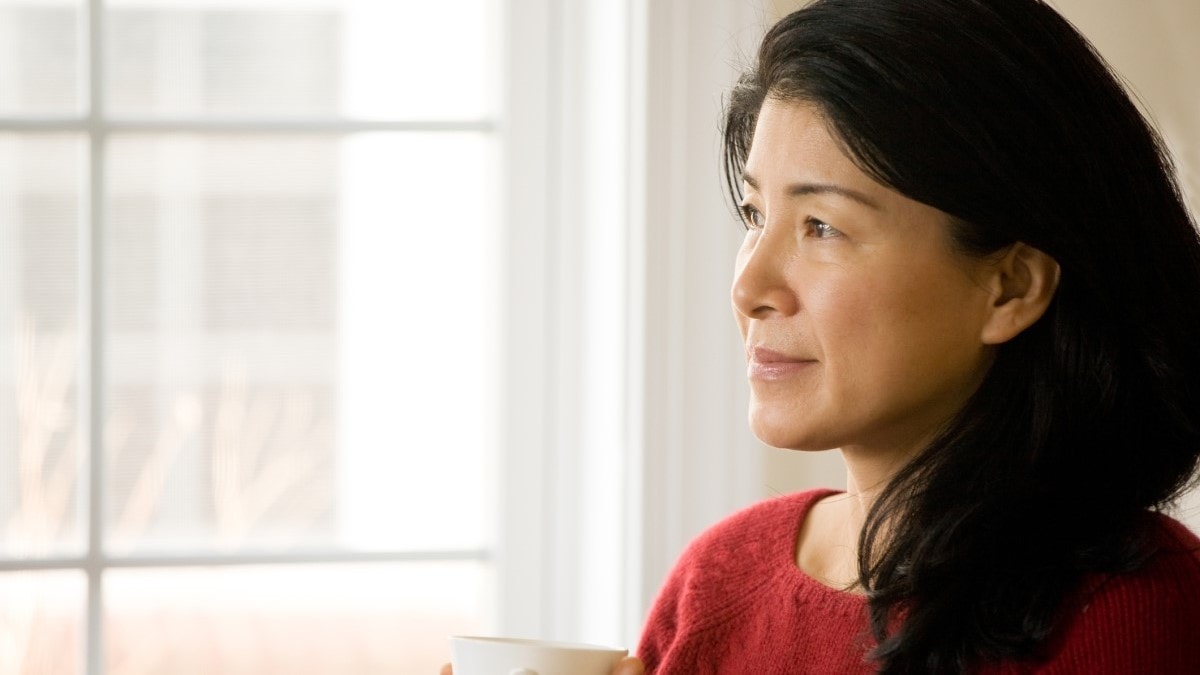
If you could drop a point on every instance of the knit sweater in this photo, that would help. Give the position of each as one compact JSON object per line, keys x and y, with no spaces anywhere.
{"x":737,"y":603}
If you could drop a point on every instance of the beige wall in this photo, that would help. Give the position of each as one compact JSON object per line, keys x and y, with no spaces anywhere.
{"x":1152,"y":44}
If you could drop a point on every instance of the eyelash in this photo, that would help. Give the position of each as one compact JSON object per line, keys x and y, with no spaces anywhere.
{"x":748,"y":215}
{"x":818,"y":225}
{"x":820,"y":228}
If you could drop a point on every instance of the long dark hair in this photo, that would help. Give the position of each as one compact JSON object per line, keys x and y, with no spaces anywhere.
{"x":1000,"y":114}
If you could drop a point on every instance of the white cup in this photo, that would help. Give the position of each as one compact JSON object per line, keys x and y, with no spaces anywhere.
{"x":472,"y":655}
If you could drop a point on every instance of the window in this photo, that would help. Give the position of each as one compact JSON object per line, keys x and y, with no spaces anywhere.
{"x":380,"y":315}
{"x":247,"y":272}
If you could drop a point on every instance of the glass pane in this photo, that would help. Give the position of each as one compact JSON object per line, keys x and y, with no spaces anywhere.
{"x":41,"y":466}
{"x":310,"y":58}
{"x":41,"y":622}
{"x":316,"y":620}
{"x":297,"y":330}
{"x":40,"y":68}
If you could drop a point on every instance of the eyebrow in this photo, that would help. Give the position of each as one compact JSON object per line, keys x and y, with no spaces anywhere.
{"x":803,"y":189}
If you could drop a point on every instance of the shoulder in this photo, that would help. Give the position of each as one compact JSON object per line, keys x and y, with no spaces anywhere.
{"x":1175,"y":537}
{"x":1170,"y":579}
{"x":1142,"y":621}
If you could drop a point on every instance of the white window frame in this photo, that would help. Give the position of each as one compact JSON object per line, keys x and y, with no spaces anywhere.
{"x":613,"y":168}
{"x":621,"y":426}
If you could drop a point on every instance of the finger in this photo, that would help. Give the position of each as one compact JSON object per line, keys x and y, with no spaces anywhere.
{"x":630,"y":665}
{"x":447,"y":670}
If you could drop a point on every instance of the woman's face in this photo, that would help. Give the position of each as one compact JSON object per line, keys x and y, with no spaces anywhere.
{"x":861,"y":323}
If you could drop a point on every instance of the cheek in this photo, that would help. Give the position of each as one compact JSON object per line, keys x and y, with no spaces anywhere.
{"x":914,"y":327}
{"x":844,"y":315}
{"x":874,"y":330}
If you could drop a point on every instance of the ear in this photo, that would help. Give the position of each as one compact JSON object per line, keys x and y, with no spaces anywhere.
{"x":1023,"y":281}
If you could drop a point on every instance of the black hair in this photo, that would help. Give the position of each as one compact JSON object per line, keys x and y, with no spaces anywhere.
{"x":1001,"y":115}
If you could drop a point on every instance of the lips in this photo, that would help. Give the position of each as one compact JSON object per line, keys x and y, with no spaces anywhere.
{"x":770,"y":365}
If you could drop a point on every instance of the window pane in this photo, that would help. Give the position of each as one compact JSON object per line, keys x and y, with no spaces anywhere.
{"x":41,"y":466}
{"x":41,"y":622}
{"x":354,"y":58}
{"x":330,"y":619}
{"x":40,"y":67}
{"x":297,"y":329}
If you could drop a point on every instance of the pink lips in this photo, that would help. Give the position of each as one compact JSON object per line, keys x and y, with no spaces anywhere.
{"x":764,"y":364}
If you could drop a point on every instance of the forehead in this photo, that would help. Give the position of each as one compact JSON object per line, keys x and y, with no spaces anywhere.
{"x":795,"y":145}
{"x":795,"y":155}
{"x":793,"y":142}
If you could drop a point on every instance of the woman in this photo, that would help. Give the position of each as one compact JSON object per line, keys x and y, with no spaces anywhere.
{"x":968,"y":266}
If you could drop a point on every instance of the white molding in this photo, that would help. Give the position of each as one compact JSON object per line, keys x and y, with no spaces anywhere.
{"x":562,"y":457}
{"x":623,"y":429}
{"x":588,"y":457}
{"x":522,"y":426}
{"x":695,"y":460}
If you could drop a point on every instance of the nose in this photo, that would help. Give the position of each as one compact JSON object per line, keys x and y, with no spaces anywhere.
{"x":760,"y":284}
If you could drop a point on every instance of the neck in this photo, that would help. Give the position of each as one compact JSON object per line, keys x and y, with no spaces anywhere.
{"x":828,"y":546}
{"x":867,"y":474}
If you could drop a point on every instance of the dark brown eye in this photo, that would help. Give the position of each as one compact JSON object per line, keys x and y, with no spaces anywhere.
{"x":821,"y":229}
{"x":752,"y":217}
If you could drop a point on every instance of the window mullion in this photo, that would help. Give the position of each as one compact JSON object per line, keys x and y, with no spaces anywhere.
{"x":247,"y":125}
{"x":237,"y":559}
{"x":92,"y":259}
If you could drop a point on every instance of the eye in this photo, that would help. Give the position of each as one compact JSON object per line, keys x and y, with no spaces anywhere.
{"x":751,"y":217}
{"x":821,"y":229}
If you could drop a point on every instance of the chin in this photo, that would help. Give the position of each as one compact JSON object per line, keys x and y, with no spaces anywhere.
{"x":788,"y":437}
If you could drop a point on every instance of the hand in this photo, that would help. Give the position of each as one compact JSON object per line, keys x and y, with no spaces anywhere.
{"x":630,"y":665}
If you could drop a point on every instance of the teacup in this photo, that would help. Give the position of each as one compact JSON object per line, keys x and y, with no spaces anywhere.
{"x":474,"y":655}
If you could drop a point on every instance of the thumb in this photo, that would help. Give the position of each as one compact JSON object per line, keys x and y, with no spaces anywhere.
{"x":630,"y":665}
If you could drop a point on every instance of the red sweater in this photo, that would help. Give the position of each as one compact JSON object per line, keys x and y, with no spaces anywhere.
{"x":737,"y":603}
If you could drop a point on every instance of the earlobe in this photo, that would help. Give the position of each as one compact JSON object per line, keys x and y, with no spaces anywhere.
{"x":1024,"y":282}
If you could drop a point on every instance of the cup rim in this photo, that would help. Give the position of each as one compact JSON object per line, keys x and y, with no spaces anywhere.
{"x":496,"y":639}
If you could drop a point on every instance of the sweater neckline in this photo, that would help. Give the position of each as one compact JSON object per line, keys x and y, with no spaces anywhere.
{"x":796,"y":576}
